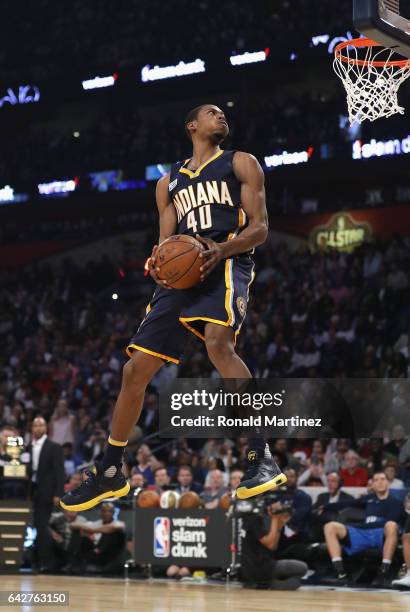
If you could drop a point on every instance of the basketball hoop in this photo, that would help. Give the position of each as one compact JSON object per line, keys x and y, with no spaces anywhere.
{"x":371,"y":75}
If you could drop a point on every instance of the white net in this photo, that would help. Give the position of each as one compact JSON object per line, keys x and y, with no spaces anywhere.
{"x":371,"y":76}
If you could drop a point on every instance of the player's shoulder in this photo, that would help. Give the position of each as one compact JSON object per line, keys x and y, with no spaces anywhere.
{"x":163,"y":182}
{"x":244,"y":163}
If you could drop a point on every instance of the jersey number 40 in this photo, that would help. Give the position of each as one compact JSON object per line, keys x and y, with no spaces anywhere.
{"x":203,"y":219}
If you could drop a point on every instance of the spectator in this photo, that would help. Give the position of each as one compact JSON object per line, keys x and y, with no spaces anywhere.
{"x":397,"y":442}
{"x":404,"y":581}
{"x":47,"y":486}
{"x":352,"y":474}
{"x":103,"y":542}
{"x":144,"y":463}
{"x":161,"y":480}
{"x":391,"y":474}
{"x":213,"y":493}
{"x":314,"y":475}
{"x":186,"y":482}
{"x":384,"y":516}
{"x":335,"y":461}
{"x":62,"y":424}
{"x":333,"y":495}
{"x":71,"y":462}
{"x":64,"y":536}
{"x":74,"y":482}
{"x":235,"y":478}
{"x":295,"y":535}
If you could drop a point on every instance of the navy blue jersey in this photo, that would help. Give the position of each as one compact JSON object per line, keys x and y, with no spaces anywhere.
{"x":378,"y":511}
{"x":208,"y":201}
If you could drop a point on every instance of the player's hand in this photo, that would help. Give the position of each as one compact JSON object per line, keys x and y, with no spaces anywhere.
{"x":154,"y":269}
{"x":211,"y":256}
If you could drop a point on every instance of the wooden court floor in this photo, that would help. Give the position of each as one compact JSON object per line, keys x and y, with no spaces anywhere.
{"x":99,"y":594}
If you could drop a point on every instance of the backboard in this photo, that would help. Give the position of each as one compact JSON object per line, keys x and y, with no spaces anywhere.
{"x":384,"y":21}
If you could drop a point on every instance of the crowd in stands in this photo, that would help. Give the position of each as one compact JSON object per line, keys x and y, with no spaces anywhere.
{"x":63,"y":351}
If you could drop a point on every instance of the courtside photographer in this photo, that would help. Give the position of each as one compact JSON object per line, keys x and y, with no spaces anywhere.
{"x":263,"y":522}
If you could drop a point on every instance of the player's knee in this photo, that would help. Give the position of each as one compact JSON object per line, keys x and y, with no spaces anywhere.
{"x":331,"y":527}
{"x":390,"y":528}
{"x":133,"y":374}
{"x":219,"y":348}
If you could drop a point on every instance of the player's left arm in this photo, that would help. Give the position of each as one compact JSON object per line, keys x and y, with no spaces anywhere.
{"x":253,"y":201}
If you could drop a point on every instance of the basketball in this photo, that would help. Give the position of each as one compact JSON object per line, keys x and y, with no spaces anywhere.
{"x":179,"y":261}
{"x":189,"y":500}
{"x":225,"y":502}
{"x":169,"y":499}
{"x":148,"y":499}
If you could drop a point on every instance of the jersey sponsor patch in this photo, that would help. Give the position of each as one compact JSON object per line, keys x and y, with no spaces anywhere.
{"x":172,"y":184}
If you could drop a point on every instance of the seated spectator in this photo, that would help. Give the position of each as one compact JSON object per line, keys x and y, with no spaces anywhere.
{"x":333,"y":495}
{"x":352,"y":474}
{"x":186,"y":482}
{"x":144,"y":464}
{"x":397,"y":442}
{"x":404,"y":581}
{"x":161,"y":480}
{"x":235,"y":478}
{"x":391,"y":474}
{"x":102,"y":542}
{"x":384,"y":516}
{"x":213,"y":493}
{"x":296,"y":531}
{"x":63,"y":534}
{"x":314,"y":475}
{"x":334,"y":460}
{"x":71,"y":462}
{"x":137,"y":481}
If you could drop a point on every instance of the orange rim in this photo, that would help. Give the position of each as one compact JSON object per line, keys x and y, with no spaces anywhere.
{"x":366,"y":42}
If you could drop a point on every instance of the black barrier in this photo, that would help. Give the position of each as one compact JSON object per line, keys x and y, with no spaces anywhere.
{"x":194,"y":538}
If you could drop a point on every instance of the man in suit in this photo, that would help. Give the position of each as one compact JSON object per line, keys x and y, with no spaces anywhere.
{"x":47,"y":486}
{"x":334,"y":494}
{"x":185,"y":479}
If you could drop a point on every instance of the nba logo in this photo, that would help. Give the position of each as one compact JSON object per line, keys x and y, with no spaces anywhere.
{"x":162,"y":531}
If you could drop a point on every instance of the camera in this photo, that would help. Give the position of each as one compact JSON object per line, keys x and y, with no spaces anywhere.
{"x":261,"y":504}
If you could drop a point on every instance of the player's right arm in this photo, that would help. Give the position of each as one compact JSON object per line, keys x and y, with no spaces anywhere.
{"x":167,"y":224}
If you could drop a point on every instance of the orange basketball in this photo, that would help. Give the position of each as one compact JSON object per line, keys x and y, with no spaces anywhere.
{"x":179,"y":261}
{"x":225,"y":501}
{"x":148,"y":499}
{"x":189,"y":500}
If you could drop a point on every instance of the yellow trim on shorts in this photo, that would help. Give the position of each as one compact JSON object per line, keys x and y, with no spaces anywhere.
{"x":153,"y":353}
{"x":199,"y":170}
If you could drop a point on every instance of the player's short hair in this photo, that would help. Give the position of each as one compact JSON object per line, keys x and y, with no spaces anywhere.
{"x":192,"y":116}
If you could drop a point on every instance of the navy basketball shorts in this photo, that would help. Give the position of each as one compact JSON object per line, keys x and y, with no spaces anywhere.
{"x":173,"y":313}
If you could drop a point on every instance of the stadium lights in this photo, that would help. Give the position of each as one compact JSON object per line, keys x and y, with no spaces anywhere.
{"x":26,"y":94}
{"x":288,"y":159}
{"x":157,"y":73}
{"x":57,"y":187}
{"x":380,"y":148}
{"x":6,"y":194}
{"x":100,"y":82}
{"x":249,"y":57}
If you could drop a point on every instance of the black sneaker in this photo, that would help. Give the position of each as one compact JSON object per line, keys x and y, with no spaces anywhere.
{"x":94,"y":489}
{"x":382,"y":580}
{"x":337,"y":580}
{"x":264,"y":476}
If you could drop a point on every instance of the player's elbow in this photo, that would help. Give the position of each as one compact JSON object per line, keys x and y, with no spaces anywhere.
{"x":261,"y":232}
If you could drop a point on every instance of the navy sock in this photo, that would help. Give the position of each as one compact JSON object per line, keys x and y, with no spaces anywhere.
{"x":113,"y":456}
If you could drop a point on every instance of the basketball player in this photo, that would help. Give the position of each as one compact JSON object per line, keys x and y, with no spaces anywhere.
{"x":219,"y":197}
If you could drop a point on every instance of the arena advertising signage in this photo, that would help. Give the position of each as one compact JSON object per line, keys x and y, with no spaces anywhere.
{"x":25,"y":94}
{"x":8,"y":196}
{"x":157,"y":73}
{"x":100,"y":82}
{"x":57,"y":188}
{"x":341,"y":233}
{"x":249,"y":57}
{"x":288,"y":159}
{"x":380,"y":148}
{"x":196,"y":538}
